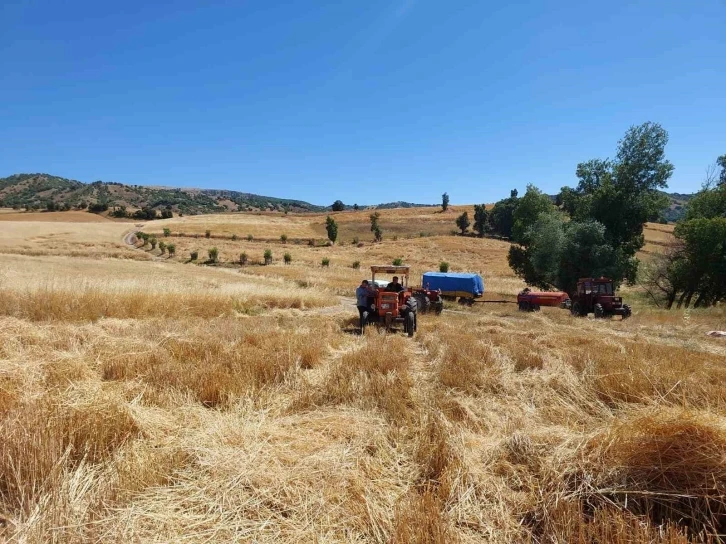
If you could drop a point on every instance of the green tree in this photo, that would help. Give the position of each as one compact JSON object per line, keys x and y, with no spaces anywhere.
{"x":501,"y":217}
{"x":213,"y":254}
{"x":445,"y":202}
{"x":171,"y":249}
{"x":480,"y":219}
{"x":283,"y":238}
{"x":287,"y":258}
{"x":721,"y":161}
{"x":332,"y":229}
{"x":622,"y":194}
{"x":443,"y":267}
{"x":325,"y":262}
{"x":152,"y":242}
{"x":355,"y":207}
{"x":268,"y":256}
{"x":162,"y":247}
{"x":338,"y":206}
{"x":375,"y":227}
{"x":243,"y":258}
{"x":529,"y":208}
{"x":167,"y":232}
{"x":463,"y":222}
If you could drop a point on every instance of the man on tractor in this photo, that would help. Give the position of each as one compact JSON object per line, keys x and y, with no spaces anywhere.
{"x":394,"y":286}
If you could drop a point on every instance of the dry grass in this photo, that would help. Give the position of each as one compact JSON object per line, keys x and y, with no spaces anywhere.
{"x":159,"y":401}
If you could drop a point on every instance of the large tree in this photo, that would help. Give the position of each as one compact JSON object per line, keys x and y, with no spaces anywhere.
{"x":529,"y":208}
{"x":501,"y":216}
{"x":480,"y":219}
{"x":622,"y":194}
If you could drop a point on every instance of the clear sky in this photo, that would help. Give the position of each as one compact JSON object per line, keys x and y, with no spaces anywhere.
{"x":365,"y":101}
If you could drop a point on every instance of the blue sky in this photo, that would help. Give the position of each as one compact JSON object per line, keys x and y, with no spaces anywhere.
{"x":363,"y":101}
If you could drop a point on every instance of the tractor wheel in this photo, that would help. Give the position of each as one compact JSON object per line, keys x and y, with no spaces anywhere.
{"x":424,"y":304}
{"x":410,"y":323}
{"x":628,"y":311}
{"x":599,"y":311}
{"x":438,"y":307}
{"x":576,"y":310}
{"x":522,"y":306}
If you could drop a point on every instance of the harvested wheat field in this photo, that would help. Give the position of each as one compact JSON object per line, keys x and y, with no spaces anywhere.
{"x":148,"y":398}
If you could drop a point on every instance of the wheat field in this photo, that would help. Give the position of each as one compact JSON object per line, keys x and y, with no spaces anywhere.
{"x":148,"y":398}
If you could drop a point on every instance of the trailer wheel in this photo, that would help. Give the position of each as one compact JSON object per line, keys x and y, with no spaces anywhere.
{"x":522,"y":306}
{"x":599,"y":311}
{"x":410,"y":323}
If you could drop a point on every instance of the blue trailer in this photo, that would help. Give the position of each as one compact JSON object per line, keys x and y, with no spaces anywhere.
{"x":466,"y":287}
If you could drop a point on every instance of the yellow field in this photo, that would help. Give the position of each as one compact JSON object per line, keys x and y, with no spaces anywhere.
{"x":151,"y":399}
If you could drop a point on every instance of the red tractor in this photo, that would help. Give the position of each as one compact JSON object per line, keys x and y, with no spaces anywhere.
{"x":597,"y":296}
{"x":388,"y":306}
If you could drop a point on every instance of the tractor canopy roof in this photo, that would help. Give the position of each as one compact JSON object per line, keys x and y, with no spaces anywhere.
{"x":389,"y":269}
{"x":595,"y":280}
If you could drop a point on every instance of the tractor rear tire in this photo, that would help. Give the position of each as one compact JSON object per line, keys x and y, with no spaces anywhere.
{"x":576,"y":310}
{"x":424,"y":304}
{"x":410,"y":323}
{"x":599,"y":311}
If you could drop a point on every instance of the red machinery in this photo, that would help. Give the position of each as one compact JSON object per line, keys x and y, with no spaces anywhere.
{"x":530,"y":301}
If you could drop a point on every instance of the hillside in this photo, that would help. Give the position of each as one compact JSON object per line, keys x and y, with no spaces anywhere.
{"x":677,"y":206}
{"x":44,"y":191}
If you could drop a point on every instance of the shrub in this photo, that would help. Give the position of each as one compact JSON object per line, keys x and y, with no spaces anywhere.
{"x":194,"y":255}
{"x":287,"y":258}
{"x":268,"y":256}
{"x":443,"y":266}
{"x":332,"y":228}
{"x":152,"y":241}
{"x":162,"y":247}
{"x":213,"y":254}
{"x":355,"y":240}
{"x":243,"y":258}
{"x":250,"y":238}
{"x":311,"y":242}
{"x":356,"y":265}
{"x":325,"y":262}
{"x":208,"y":234}
{"x":378,"y":234}
{"x":167,"y":232}
{"x":234,"y":237}
{"x":398,"y":261}
{"x":171,"y":249}
{"x":283,"y":238}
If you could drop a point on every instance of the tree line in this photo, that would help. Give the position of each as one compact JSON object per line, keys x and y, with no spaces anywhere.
{"x":596,"y":228}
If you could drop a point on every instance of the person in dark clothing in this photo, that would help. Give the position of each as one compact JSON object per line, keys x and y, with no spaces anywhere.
{"x":394,"y":286}
{"x":362,"y":294}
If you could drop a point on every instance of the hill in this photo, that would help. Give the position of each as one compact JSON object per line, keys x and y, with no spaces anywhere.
{"x":44,"y":191}
{"x":677,"y":206}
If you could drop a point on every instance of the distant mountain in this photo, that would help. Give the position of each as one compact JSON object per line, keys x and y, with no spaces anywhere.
{"x":677,"y":206}
{"x":44,"y":191}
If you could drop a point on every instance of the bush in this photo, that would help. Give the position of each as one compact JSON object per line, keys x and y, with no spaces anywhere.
{"x":213,"y":254}
{"x":287,"y":258}
{"x":208,"y":234}
{"x":325,"y":262}
{"x":356,"y":265}
{"x":171,"y":249}
{"x":167,"y":232}
{"x":443,"y":266}
{"x":152,"y":241}
{"x":234,"y":237}
{"x":243,"y":258}
{"x":268,"y":256}
{"x":283,"y":238}
{"x":355,"y":241}
{"x":398,"y":261}
{"x":250,"y":238}
{"x":162,"y":247}
{"x":194,"y":255}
